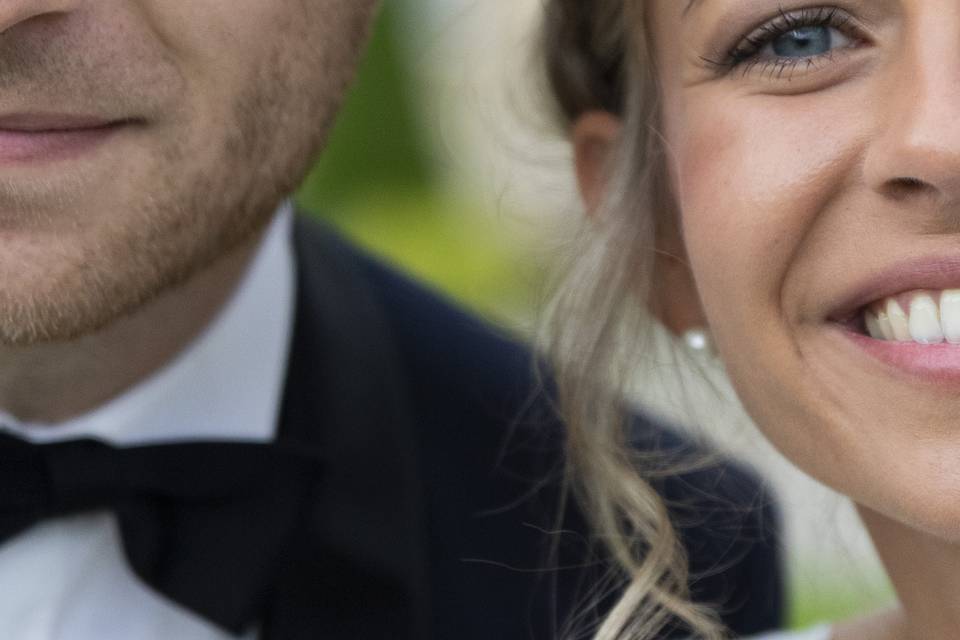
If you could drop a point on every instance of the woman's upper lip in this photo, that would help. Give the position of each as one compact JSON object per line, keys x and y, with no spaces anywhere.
{"x":28,"y":122}
{"x":935,"y":273}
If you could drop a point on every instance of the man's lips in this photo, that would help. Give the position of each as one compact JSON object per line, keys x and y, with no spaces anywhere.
{"x":34,"y":137}
{"x":37,"y":122}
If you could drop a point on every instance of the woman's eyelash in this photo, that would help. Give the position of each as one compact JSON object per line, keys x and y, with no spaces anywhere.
{"x":744,"y":53}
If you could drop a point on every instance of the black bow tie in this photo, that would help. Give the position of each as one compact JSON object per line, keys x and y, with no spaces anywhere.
{"x":204,"y":523}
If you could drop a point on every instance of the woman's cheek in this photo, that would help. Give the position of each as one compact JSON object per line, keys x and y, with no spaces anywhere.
{"x":752,"y":177}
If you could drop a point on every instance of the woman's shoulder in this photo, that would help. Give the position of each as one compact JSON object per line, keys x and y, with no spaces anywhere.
{"x":816,"y":633}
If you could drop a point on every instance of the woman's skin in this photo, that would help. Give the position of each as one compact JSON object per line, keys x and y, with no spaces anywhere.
{"x":816,"y":173}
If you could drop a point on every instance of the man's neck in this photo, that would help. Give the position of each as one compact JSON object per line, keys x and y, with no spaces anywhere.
{"x":52,"y":383}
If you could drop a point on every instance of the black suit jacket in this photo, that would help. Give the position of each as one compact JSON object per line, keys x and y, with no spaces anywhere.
{"x":436,"y":516}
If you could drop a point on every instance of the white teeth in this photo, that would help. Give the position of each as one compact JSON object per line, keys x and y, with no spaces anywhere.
{"x":899,"y":322}
{"x":886,"y":329}
{"x":932,"y":319}
{"x":873,"y":326}
{"x":925,"y":320}
{"x":950,"y":315}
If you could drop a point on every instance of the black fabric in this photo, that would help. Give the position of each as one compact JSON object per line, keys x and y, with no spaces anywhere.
{"x":184,"y":511}
{"x":414,"y":491}
{"x":438,"y":514}
{"x":358,"y":568}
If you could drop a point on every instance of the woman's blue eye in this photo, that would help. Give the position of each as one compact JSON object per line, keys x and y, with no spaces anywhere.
{"x":804,"y":42}
{"x":799,"y":37}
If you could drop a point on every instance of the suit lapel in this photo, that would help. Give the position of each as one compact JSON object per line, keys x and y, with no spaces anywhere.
{"x":356,"y":568}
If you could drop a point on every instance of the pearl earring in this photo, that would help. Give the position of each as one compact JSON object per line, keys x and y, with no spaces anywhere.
{"x":698,"y":340}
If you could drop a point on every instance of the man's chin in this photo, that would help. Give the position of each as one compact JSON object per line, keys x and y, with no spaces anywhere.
{"x":67,"y":313}
{"x":170,"y":286}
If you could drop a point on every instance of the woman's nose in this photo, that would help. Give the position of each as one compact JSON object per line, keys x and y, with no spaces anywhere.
{"x":916,"y":149}
{"x":15,"y":12}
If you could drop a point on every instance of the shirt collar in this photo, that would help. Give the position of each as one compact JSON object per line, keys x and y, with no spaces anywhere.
{"x":226,"y":385}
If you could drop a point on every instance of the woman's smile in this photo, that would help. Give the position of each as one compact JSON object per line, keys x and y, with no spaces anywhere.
{"x":908,"y":316}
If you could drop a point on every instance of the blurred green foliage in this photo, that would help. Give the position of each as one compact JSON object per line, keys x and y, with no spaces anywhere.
{"x":838,"y":597}
{"x":376,"y":146}
{"x":376,"y":182}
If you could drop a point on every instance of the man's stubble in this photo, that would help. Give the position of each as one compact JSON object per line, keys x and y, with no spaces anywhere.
{"x":179,"y":222}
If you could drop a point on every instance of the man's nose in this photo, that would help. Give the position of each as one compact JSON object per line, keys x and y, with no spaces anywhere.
{"x":16,"y":12}
{"x":916,"y":149}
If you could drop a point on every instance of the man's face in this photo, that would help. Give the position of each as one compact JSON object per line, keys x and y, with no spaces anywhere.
{"x":140,"y":140}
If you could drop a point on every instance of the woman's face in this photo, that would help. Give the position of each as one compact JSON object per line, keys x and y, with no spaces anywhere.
{"x":815,"y":157}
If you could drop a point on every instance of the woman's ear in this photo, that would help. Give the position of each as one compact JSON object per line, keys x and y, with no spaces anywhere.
{"x":594,"y":138}
{"x":674,"y":298}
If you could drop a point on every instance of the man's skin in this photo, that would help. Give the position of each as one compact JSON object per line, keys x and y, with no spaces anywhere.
{"x":120,"y":245}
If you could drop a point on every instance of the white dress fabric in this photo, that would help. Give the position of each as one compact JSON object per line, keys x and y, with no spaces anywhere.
{"x":824,"y":632}
{"x":66,"y":579}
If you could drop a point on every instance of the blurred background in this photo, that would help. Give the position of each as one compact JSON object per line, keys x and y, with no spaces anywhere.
{"x":445,"y":163}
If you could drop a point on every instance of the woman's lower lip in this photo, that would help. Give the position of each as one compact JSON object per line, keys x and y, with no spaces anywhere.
{"x":933,"y":362}
{"x":18,"y":147}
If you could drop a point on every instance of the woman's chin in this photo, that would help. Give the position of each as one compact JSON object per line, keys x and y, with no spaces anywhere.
{"x":877,"y":421}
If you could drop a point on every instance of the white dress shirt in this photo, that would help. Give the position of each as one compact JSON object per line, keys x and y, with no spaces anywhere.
{"x":67,"y":579}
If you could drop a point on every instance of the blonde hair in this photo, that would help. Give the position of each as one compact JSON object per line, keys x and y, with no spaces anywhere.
{"x":598,"y":58}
